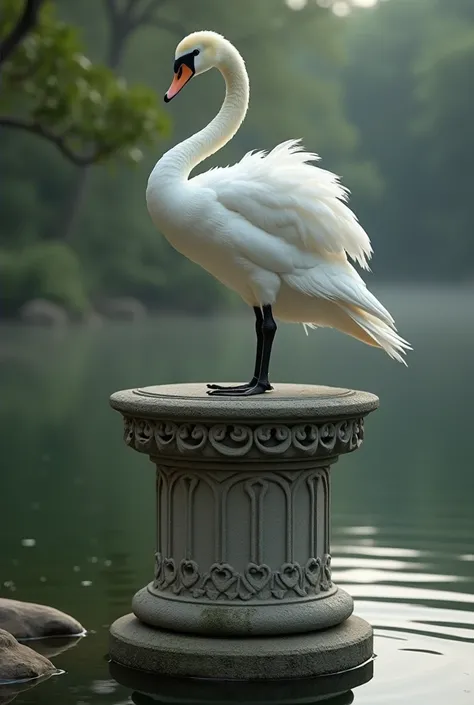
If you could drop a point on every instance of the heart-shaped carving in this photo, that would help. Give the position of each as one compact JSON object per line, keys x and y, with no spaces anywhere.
{"x":326,"y":582}
{"x":222,"y":576}
{"x":169,"y":571}
{"x":158,"y":565}
{"x":257,"y":575}
{"x":312,"y":571}
{"x":189,"y":573}
{"x":290,"y":575}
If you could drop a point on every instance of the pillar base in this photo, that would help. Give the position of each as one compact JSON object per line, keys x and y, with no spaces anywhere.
{"x":251,"y":619}
{"x":135,"y":645}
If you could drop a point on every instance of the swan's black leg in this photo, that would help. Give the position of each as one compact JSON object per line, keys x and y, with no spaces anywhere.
{"x":269,"y":331}
{"x":261,"y":383}
{"x":258,"y":355}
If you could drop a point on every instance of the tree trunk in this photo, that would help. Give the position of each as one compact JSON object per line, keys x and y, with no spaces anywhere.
{"x":119,"y":34}
{"x":74,"y":202}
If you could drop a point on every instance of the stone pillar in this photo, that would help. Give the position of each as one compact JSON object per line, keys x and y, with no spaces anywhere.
{"x":242,"y":585}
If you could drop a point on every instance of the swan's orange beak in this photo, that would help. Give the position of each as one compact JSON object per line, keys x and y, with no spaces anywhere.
{"x":183,"y":75}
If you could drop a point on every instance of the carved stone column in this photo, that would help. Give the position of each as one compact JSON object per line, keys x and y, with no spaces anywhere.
{"x":242,"y":585}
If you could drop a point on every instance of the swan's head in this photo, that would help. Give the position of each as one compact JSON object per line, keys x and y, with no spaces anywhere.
{"x":195,"y":54}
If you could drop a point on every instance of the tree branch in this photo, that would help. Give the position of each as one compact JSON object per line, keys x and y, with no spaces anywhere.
{"x":125,"y":20}
{"x":111,"y":8}
{"x":147,"y":14}
{"x":125,"y":17}
{"x":26,"y":22}
{"x":58,"y":140}
{"x":172,"y":26}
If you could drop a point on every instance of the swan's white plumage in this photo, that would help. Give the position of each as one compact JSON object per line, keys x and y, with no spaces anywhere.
{"x":283,"y":194}
{"x":274,"y":227}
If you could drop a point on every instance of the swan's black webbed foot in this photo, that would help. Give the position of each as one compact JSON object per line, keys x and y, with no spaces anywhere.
{"x":236,"y":387}
{"x":242,"y":390}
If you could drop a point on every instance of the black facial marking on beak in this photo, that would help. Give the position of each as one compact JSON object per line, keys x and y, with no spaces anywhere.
{"x":184,"y":62}
{"x":187,"y":59}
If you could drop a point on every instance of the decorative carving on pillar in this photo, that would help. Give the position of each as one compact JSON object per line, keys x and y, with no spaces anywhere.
{"x":240,"y":441}
{"x":258,"y":581}
{"x":296,"y":501}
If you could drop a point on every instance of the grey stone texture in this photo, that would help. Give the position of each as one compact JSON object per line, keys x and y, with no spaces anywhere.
{"x":19,"y":662}
{"x":243,"y":531}
{"x":27,"y":620}
{"x":136,"y":645}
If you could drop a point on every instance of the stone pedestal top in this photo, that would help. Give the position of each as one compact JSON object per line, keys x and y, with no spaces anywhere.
{"x":290,"y":402}
{"x":295,"y":421}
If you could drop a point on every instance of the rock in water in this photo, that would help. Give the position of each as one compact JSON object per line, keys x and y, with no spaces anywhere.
{"x":19,"y":662}
{"x":39,"y":312}
{"x":124,"y":308}
{"x":27,"y":620}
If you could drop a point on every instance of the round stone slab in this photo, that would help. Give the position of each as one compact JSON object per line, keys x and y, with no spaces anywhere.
{"x":294,"y":422}
{"x":134,"y":645}
{"x":295,"y":402}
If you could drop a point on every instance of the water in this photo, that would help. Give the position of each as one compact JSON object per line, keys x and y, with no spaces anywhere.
{"x":77,"y":506}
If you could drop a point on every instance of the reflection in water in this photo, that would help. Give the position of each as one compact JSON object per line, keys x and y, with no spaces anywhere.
{"x":9,"y":692}
{"x":335,"y":689}
{"x":403,"y":523}
{"x":53,"y":646}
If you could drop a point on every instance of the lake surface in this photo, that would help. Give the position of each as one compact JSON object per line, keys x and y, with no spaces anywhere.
{"x":403,"y":506}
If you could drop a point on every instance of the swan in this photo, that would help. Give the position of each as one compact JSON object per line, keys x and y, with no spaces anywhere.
{"x":274,"y":227}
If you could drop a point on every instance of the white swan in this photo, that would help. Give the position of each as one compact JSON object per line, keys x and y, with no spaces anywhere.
{"x":273,"y":227}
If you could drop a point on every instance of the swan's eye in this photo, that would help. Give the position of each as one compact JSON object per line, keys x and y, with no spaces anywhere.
{"x":196,"y":52}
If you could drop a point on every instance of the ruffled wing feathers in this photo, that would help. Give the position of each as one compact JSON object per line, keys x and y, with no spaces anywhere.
{"x":285,"y":195}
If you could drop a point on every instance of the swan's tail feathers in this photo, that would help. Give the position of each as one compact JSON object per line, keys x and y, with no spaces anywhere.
{"x":308,"y":325}
{"x":378,"y":333}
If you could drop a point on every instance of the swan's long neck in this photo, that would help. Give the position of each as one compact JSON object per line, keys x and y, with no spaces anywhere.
{"x":179,"y":161}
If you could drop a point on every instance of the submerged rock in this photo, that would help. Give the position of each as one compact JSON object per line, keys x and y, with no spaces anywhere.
{"x":123,"y":308}
{"x":19,"y":662}
{"x":40,"y":312}
{"x":27,"y":620}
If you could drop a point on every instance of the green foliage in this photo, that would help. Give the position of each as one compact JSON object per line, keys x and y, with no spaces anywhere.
{"x":49,"y":270}
{"x":90,"y":112}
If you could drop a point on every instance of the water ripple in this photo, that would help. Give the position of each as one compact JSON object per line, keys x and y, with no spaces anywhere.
{"x":420,"y":602}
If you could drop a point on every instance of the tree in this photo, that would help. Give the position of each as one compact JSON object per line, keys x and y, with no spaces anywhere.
{"x":379,"y":86}
{"x":20,"y":27}
{"x":445,"y":113}
{"x":124,"y":19}
{"x":408,"y":92}
{"x":49,"y":88}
